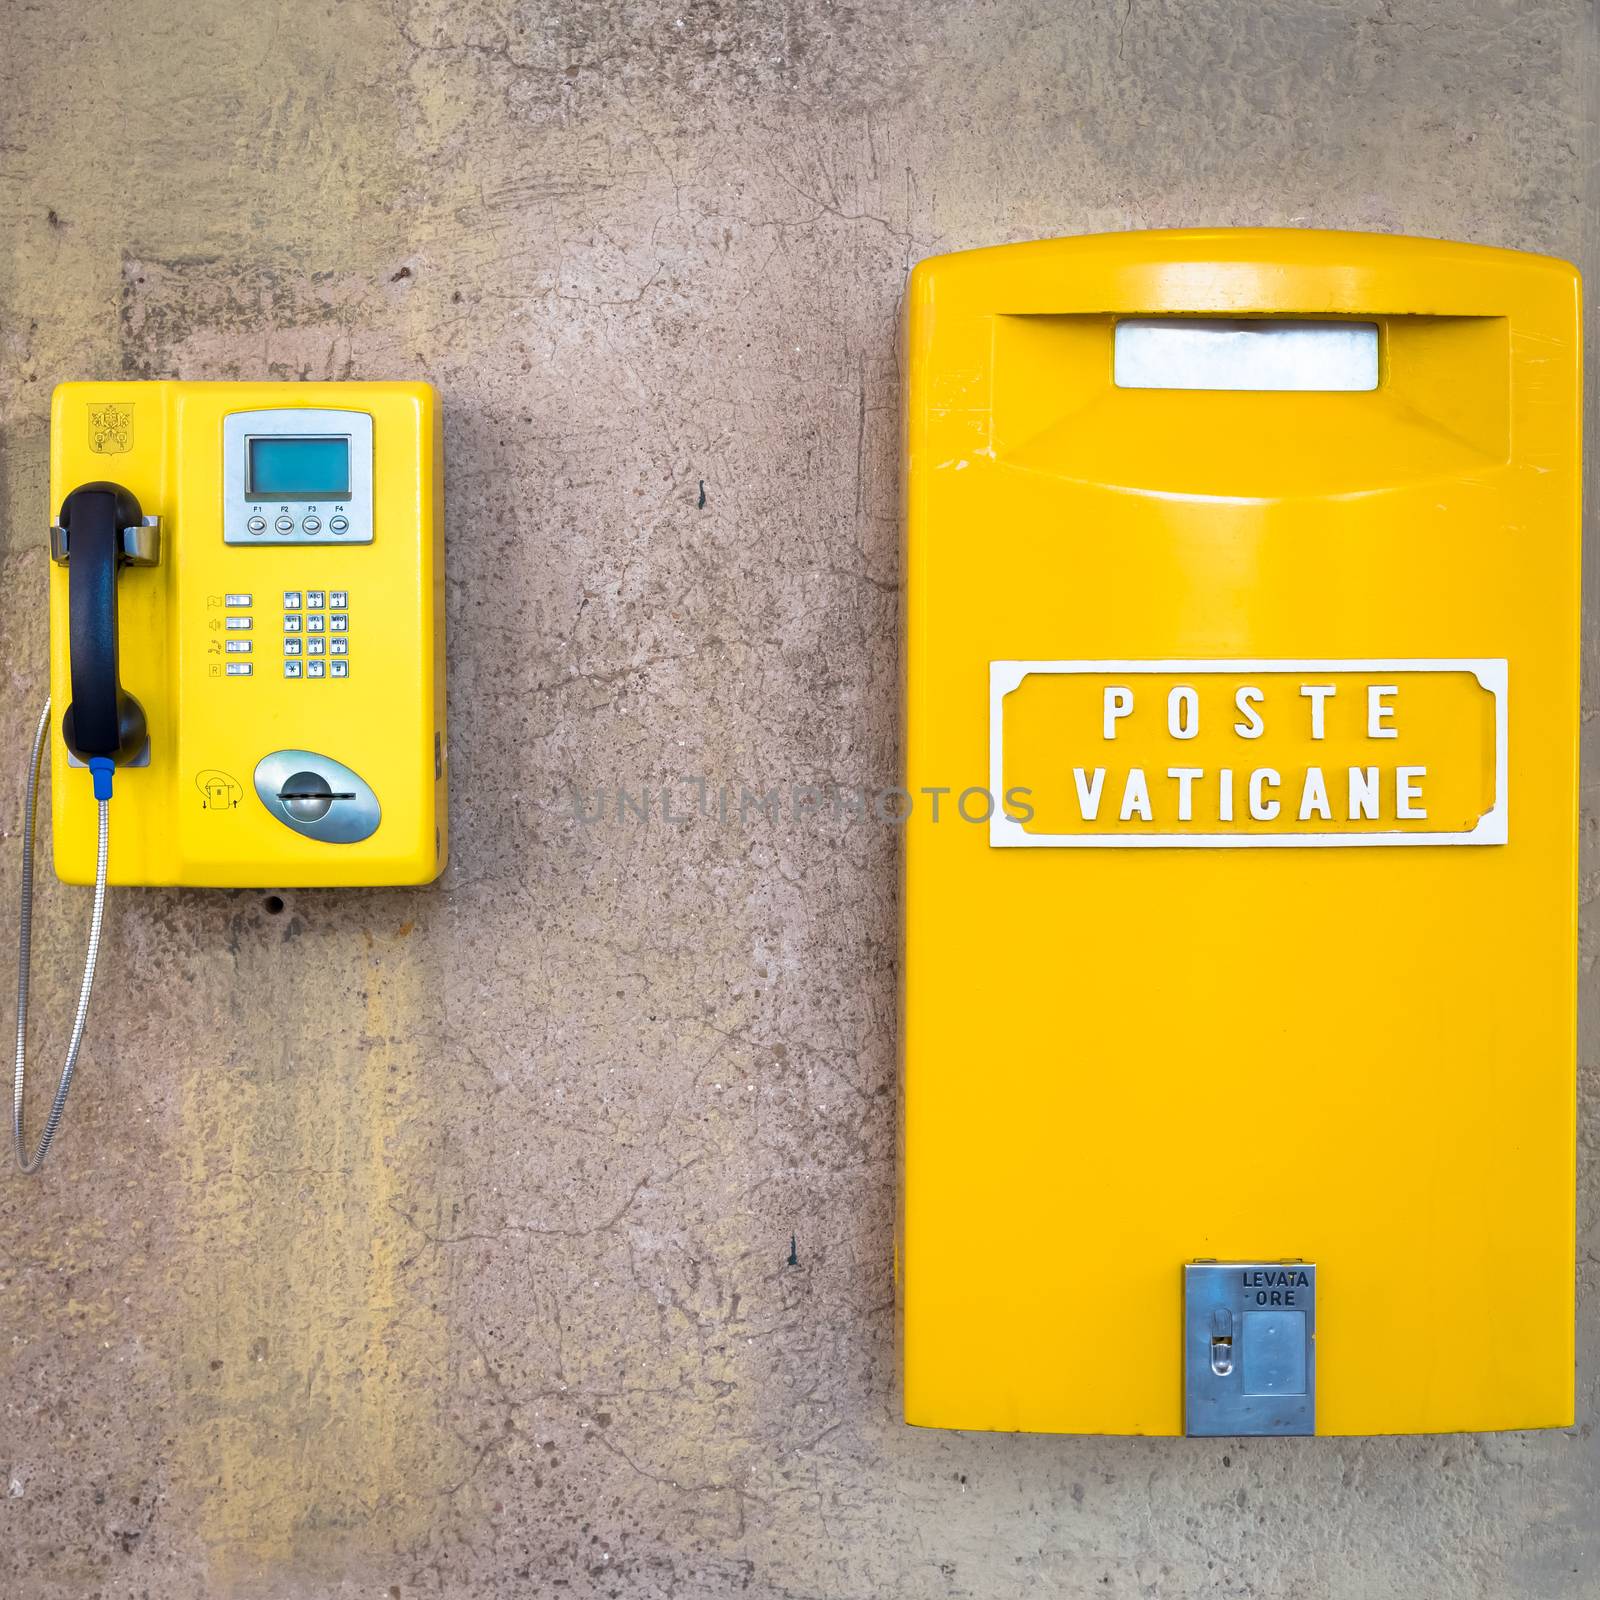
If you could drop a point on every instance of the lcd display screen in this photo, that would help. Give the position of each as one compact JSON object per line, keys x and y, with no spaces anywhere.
{"x":306,"y":468}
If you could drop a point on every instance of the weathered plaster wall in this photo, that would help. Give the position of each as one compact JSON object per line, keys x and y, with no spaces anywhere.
{"x":437,"y":1243}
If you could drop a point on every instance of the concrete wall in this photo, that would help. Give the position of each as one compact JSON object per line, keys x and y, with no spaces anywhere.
{"x":438,"y":1243}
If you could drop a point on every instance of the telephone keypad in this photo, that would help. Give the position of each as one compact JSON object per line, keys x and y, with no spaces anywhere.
{"x":313,"y":613}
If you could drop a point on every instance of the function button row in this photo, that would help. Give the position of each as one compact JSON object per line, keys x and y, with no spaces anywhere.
{"x":316,"y":669}
{"x":308,"y":524}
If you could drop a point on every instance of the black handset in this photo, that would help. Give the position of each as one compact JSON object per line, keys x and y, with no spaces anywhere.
{"x":101,"y":527}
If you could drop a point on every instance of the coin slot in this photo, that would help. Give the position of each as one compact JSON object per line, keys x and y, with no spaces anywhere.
{"x":300,"y":787}
{"x":309,"y":797}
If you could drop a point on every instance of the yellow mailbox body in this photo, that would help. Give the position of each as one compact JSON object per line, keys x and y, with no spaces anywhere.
{"x":1267,"y":950}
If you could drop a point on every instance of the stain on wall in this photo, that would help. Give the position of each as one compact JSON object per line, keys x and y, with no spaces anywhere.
{"x":531,"y":1234}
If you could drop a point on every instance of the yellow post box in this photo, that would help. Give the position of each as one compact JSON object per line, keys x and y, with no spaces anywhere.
{"x":1240,"y":958}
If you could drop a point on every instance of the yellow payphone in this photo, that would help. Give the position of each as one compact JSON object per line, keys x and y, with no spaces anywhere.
{"x":1239,"y":1029}
{"x":247,"y":645}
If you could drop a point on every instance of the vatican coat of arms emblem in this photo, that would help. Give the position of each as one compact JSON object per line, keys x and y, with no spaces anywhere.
{"x":111,"y":429}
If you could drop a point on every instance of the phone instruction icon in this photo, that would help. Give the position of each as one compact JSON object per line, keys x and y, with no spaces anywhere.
{"x":218,"y":790}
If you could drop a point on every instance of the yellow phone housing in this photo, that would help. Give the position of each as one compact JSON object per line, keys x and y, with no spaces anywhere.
{"x":192,"y":814}
{"x":1144,"y":1029}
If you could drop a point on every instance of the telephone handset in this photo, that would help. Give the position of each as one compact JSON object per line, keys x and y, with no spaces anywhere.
{"x":99,"y":529}
{"x":269,"y":690}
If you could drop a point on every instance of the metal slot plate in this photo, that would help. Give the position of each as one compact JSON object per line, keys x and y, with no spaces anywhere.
{"x":1249,"y":1348}
{"x":317,"y":796}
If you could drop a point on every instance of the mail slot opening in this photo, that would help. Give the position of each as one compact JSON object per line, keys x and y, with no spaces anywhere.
{"x":1258,"y":354}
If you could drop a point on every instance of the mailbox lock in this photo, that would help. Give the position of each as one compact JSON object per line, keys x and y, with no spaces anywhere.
{"x":1222,"y":1342}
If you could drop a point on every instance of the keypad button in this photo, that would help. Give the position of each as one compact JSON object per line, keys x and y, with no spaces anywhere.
{"x":339,"y":622}
{"x":314,"y":669}
{"x":314,"y":647}
{"x":338,"y":524}
{"x":338,"y":599}
{"x":339,"y":669}
{"x":238,"y":624}
{"x":238,"y":647}
{"x":291,"y":669}
{"x":338,"y":647}
{"x":291,"y":623}
{"x":238,"y":669}
{"x":284,"y":524}
{"x":291,"y":647}
{"x":257,"y":524}
{"x":316,"y":623}
{"x":291,"y":599}
{"x":311,"y":524}
{"x":315,"y":599}
{"x":237,"y":599}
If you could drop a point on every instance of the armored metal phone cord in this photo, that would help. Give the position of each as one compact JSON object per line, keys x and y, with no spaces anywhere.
{"x":25,"y":940}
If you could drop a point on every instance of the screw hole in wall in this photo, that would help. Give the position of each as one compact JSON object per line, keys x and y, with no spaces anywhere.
{"x":273,"y":904}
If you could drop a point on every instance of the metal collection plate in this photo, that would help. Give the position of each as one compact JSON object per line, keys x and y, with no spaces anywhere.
{"x":1249,"y":1348}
